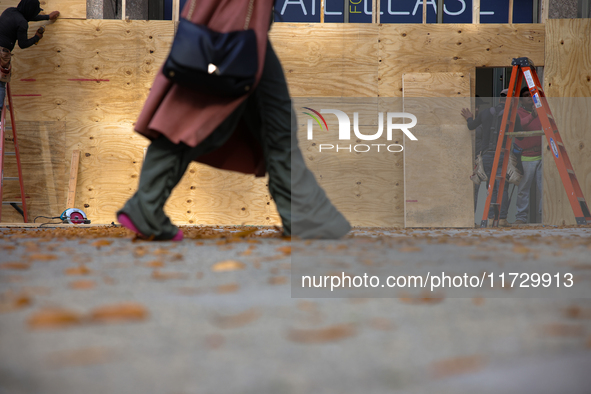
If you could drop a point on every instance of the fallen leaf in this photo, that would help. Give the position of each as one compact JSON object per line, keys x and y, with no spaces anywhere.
{"x":229,"y":288}
{"x":322,"y":335}
{"x":564,"y":330}
{"x":102,"y":242}
{"x":286,"y":250}
{"x":278,"y":280}
{"x":576,"y":312}
{"x":521,"y":249}
{"x":80,"y":270}
{"x":409,"y":249}
{"x":456,"y":366}
{"x":228,"y":265}
{"x":425,"y":298}
{"x":214,"y":341}
{"x":82,"y":284}
{"x":238,"y":320}
{"x":79,"y":357}
{"x":308,"y":306}
{"x":159,"y":275}
{"x":154,"y":264}
{"x":14,"y":266}
{"x":42,"y":256}
{"x":161,"y":251}
{"x":54,"y":318}
{"x":176,"y":257}
{"x":381,"y":324}
{"x":478,"y":301}
{"x":247,"y":252}
{"x":130,"y":311}
{"x":140,"y":251}
{"x":12,"y":302}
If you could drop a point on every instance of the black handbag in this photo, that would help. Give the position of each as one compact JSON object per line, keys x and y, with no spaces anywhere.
{"x":222,"y":64}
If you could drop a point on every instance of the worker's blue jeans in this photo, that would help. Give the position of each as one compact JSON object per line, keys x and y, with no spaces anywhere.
{"x":487,"y":161}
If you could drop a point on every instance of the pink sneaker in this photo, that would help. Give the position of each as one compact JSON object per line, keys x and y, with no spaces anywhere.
{"x":128,"y":224}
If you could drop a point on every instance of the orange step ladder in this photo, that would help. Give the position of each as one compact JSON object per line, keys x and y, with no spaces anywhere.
{"x":3,"y":128}
{"x":524,"y":68}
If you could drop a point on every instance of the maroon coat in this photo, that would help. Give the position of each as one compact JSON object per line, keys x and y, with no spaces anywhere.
{"x":185,"y":115}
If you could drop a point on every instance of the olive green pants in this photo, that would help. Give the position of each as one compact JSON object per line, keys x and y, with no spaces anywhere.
{"x":303,"y":206}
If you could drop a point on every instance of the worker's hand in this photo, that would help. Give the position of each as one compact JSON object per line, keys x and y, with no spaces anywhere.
{"x":40,"y":32}
{"x":534,"y":113}
{"x":466,"y":113}
{"x":53,"y":16}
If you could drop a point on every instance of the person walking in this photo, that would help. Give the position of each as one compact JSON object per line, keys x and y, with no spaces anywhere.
{"x":253,"y":134}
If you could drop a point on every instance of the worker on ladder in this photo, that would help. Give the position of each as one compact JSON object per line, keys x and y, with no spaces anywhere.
{"x":14,"y":24}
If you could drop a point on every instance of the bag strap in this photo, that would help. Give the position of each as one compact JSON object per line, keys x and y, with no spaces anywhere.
{"x":248,"y":14}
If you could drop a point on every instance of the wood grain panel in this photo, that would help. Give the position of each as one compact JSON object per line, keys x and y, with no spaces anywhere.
{"x":434,"y":48}
{"x":69,"y":9}
{"x":567,"y":76}
{"x":437,"y":188}
{"x":366,"y":186}
{"x":329,"y":59}
{"x":41,"y":146}
{"x":94,"y":75}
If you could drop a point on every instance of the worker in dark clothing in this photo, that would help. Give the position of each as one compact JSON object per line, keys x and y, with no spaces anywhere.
{"x":491,"y":121}
{"x":14,"y":24}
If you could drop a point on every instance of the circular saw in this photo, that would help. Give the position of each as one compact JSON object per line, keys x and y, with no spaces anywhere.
{"x":74,"y":216}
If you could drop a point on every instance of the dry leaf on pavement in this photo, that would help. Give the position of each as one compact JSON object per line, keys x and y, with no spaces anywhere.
{"x":54,"y":318}
{"x":228,"y":265}
{"x":322,"y":335}
{"x":130,"y":311}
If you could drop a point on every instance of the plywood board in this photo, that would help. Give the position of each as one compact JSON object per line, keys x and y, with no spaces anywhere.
{"x":366,"y":186}
{"x":567,"y":79}
{"x":94,"y":75}
{"x":328,"y":59}
{"x":437,"y":48}
{"x":41,"y":146}
{"x":69,"y":9}
{"x":437,"y":188}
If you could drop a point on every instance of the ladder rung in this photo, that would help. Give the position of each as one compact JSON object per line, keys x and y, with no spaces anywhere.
{"x":10,"y":153}
{"x":570,"y":172}
{"x":11,"y":202}
{"x":581,"y":199}
{"x":11,"y":178}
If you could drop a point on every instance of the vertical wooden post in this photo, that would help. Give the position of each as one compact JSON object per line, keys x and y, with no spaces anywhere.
{"x":476,"y":12}
{"x":123,"y":6}
{"x":544,"y":11}
{"x":510,"y":11}
{"x":73,"y":179}
{"x":175,"y":10}
{"x":322,"y":11}
{"x":424,"y":11}
{"x":374,"y":11}
{"x":378,"y":12}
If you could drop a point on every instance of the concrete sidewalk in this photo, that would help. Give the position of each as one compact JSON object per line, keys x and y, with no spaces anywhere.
{"x":89,"y":311}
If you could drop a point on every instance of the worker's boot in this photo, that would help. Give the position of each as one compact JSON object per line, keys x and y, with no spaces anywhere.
{"x":504,"y":223}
